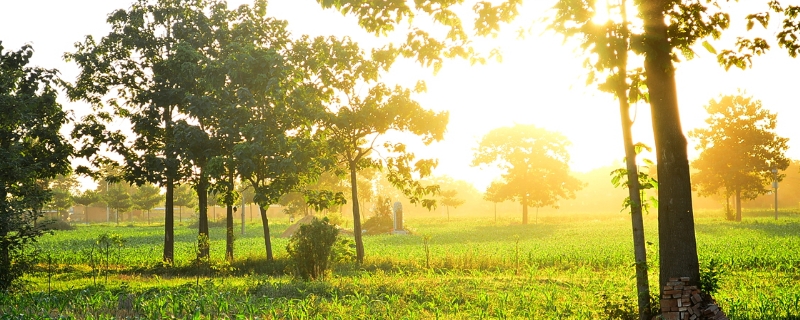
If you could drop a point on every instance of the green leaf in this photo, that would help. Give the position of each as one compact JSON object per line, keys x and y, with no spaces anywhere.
{"x":711,"y":49}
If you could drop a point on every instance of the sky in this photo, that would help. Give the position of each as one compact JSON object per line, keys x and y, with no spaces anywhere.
{"x":540,"y":80}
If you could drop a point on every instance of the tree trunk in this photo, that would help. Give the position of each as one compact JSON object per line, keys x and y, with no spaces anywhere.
{"x":356,"y":215}
{"x":202,"y":232}
{"x":229,"y":225}
{"x":738,"y":199}
{"x":524,"y":209}
{"x":446,"y":208}
{"x":229,"y":234}
{"x":727,"y":205}
{"x":267,"y":240}
{"x":169,"y":222}
{"x":637,"y":223}
{"x":676,"y":237}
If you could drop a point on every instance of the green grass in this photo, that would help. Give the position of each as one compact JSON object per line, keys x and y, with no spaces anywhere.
{"x":559,"y":268}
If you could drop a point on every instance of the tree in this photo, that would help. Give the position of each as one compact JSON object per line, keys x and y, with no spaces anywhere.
{"x":32,"y":151}
{"x":666,"y":29}
{"x":118,"y":199}
{"x":62,"y":188}
{"x":739,"y":150}
{"x":534,"y":163}
{"x":127,"y":75}
{"x":86,"y":198}
{"x":450,"y":199}
{"x":354,"y":123}
{"x":492,"y":195}
{"x":184,"y":197}
{"x":277,"y":147}
{"x":146,"y":197}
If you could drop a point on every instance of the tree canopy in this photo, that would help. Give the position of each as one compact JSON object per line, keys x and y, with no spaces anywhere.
{"x":535,"y":166}
{"x":32,"y":151}
{"x":354,"y":122}
{"x":739,"y":150}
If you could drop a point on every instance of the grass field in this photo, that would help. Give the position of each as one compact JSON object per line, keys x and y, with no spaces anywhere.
{"x":562,"y":267}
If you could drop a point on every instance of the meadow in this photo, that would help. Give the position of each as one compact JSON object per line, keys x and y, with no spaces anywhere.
{"x":573,"y":267}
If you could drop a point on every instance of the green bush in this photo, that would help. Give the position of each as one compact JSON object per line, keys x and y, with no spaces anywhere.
{"x":56,"y":224}
{"x":381,"y":221}
{"x":310,"y":248}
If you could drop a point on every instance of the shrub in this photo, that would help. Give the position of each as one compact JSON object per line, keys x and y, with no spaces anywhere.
{"x":335,"y":218}
{"x":310,"y":248}
{"x":381,"y":221}
{"x":56,"y":224}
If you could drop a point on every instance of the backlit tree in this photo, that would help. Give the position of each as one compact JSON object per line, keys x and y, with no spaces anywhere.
{"x":739,"y":150}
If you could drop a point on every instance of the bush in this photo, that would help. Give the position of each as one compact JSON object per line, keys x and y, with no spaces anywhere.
{"x":381,"y":221}
{"x":335,"y":218}
{"x":310,"y":248}
{"x":56,"y":224}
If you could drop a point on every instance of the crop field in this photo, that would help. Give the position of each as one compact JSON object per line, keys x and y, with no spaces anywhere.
{"x":577,"y":268}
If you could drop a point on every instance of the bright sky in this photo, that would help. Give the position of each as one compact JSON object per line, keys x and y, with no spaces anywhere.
{"x":540,"y":81}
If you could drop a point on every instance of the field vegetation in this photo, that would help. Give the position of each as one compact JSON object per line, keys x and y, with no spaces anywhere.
{"x":575,"y":266}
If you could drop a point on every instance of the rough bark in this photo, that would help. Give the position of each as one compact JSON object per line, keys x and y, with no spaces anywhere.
{"x":267,"y":240}
{"x":677,"y":243}
{"x":356,"y":215}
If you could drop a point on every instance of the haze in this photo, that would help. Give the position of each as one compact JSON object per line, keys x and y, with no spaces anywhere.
{"x":540,"y":81}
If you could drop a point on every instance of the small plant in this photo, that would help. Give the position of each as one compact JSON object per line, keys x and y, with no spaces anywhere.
{"x":710,"y":275}
{"x":201,"y":264}
{"x":426,"y":239}
{"x":104,"y":243}
{"x":310,"y":248}
{"x":344,"y":250}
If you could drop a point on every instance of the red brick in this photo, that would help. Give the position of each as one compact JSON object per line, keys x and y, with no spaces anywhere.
{"x":671,"y":316}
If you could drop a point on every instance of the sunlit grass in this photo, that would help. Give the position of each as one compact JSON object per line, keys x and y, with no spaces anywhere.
{"x":478,"y":269}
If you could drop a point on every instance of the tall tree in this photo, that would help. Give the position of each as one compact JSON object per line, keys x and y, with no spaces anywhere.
{"x":354,"y":123}
{"x":32,"y":151}
{"x":127,"y":74}
{"x":606,"y":45}
{"x":147,"y":196}
{"x":739,"y":150}
{"x":534,"y":162}
{"x":668,"y":28}
{"x":449,"y":199}
{"x":277,"y":148}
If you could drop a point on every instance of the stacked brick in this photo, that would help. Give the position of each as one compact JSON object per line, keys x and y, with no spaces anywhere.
{"x":680,"y":301}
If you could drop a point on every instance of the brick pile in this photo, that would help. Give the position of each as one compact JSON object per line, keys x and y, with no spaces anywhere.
{"x":680,"y":301}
